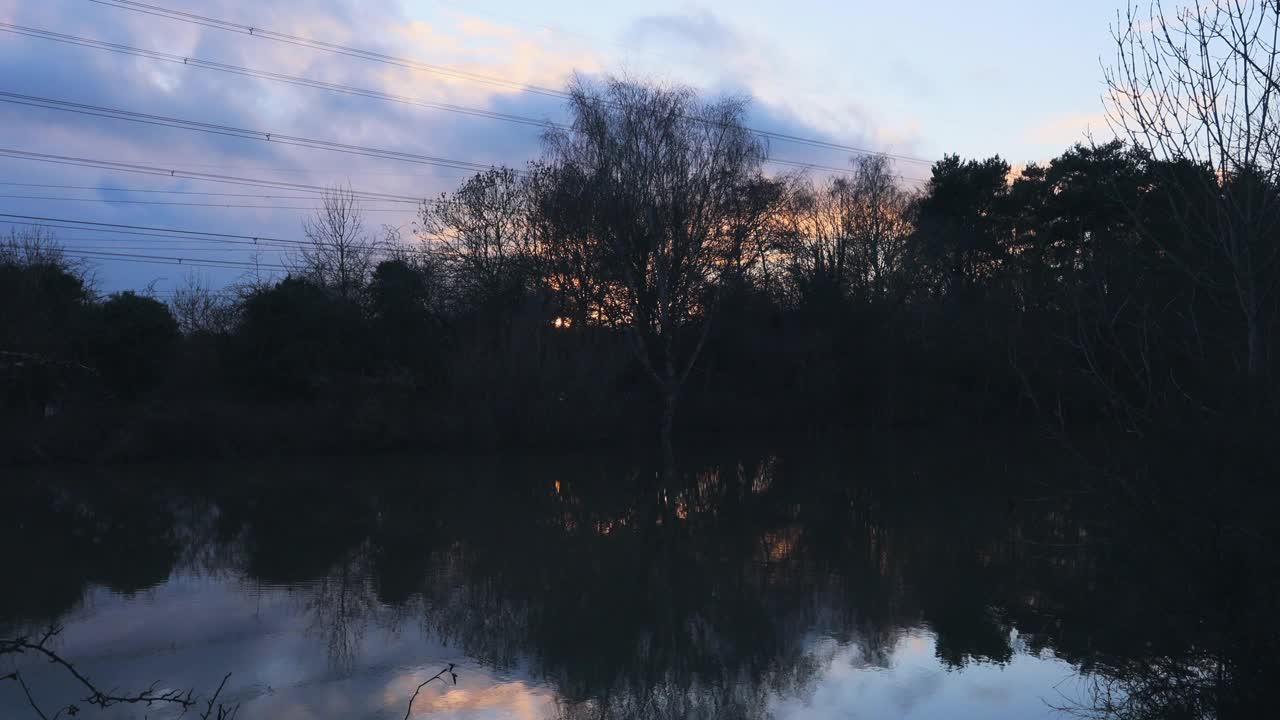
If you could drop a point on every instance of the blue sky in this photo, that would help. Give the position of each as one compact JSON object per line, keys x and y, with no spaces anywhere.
{"x":923,"y":78}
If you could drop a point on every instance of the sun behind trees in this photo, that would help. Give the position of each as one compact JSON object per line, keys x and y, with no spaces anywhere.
{"x":639,"y":211}
{"x":630,"y":220}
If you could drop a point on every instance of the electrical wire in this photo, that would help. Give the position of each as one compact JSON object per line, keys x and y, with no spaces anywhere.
{"x":188,"y":61}
{"x":98,"y":188}
{"x":158,"y":171}
{"x":173,"y":260}
{"x":54,"y":198}
{"x":138,"y":232}
{"x":231,"y":131}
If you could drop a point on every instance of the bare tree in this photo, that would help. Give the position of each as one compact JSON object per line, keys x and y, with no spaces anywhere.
{"x":644,"y":199}
{"x":762,"y":231}
{"x":879,"y":226}
{"x":481,"y":235}
{"x":1197,"y":89}
{"x":200,"y":309}
{"x":339,"y":253}
{"x":42,"y":290}
{"x":818,"y":254}
{"x":152,"y":697}
{"x":850,"y":235}
{"x":38,"y":246}
{"x":34,"y":246}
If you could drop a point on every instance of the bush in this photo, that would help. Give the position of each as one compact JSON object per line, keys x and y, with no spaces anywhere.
{"x":42,"y":293}
{"x":295,"y":337}
{"x":131,"y":339}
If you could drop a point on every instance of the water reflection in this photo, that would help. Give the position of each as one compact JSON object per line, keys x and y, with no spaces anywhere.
{"x":775,"y":585}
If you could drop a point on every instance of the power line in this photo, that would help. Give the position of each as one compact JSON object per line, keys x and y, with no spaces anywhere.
{"x":842,"y":171}
{"x":159,"y":171}
{"x":149,"y":231}
{"x":110,"y":251}
{"x":173,"y":260}
{"x":55,"y":198}
{"x":40,"y":220}
{"x":215,"y":129}
{"x":174,"y":240}
{"x":187,"y":61}
{"x":231,"y":131}
{"x":148,"y":248}
{"x":268,"y":75}
{"x":98,"y":188}
{"x":240,"y":245}
{"x":180,"y":259}
{"x":303,"y":170}
{"x":449,"y":72}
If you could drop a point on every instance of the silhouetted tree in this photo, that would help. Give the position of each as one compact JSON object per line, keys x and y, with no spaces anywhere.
{"x":339,"y":254}
{"x":1072,"y":225}
{"x":850,"y":237}
{"x":1197,"y":89}
{"x":961,"y":228}
{"x":44,"y":294}
{"x":880,"y":226}
{"x":817,"y":253}
{"x":198,"y":308}
{"x":641,"y":204}
{"x":1134,"y":281}
{"x":130,"y":341}
{"x":760,"y":233}
{"x":296,"y":337}
{"x":481,"y":234}
{"x":401,"y":297}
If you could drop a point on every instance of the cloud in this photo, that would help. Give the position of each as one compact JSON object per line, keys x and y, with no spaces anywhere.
{"x":475,"y":45}
{"x":1067,"y":128}
{"x":910,"y":77}
{"x":746,"y":65}
{"x":713,"y":54}
{"x":138,"y":84}
{"x":724,"y":59}
{"x":702,"y":30}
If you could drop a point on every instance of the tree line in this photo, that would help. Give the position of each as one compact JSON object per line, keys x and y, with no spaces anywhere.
{"x":647,"y":270}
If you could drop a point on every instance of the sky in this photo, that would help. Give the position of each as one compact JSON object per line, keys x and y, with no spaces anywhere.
{"x":918,"y":79}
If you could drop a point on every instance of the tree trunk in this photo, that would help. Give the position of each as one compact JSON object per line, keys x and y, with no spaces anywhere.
{"x":669,"y":398}
{"x":1256,"y":358}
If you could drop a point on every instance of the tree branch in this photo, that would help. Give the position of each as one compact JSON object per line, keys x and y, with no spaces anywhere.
{"x":438,"y":676}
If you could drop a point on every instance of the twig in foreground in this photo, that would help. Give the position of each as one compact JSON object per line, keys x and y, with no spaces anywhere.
{"x":98,"y":697}
{"x":438,"y":676}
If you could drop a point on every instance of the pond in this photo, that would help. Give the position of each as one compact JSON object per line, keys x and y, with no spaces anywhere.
{"x":904,"y":578}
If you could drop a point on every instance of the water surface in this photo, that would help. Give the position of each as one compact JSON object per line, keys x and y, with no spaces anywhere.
{"x":904,"y":580}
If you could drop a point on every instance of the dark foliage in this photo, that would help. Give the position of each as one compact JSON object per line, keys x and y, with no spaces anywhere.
{"x":130,"y":340}
{"x":572,"y":304}
{"x":295,"y":338}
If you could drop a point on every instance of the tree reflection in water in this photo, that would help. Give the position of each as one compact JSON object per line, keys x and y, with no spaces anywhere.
{"x":637,"y":595}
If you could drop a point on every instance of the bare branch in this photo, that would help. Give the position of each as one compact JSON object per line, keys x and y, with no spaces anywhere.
{"x":438,"y":676}
{"x":184,"y":700}
{"x":340,"y":254}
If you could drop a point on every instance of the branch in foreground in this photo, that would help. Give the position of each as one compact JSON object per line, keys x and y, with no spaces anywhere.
{"x":438,"y":676}
{"x":98,"y":697}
